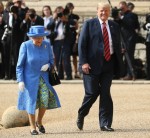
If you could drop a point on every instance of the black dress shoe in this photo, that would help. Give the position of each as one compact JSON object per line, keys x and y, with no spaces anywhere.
{"x":34,"y":132}
{"x":80,"y":122}
{"x":106,"y":128}
{"x":41,"y":128}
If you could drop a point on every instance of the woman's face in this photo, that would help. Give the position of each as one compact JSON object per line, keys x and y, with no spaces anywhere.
{"x":37,"y":40}
{"x":46,"y":11}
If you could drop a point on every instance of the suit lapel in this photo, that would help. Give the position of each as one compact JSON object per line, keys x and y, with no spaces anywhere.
{"x":97,"y":27}
{"x":112,"y":31}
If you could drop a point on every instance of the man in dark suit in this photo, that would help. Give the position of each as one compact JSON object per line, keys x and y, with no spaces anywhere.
{"x":99,"y":54}
{"x":129,"y":28}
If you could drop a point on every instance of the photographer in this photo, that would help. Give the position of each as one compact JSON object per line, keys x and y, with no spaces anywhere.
{"x":12,"y":37}
{"x":72,"y":44}
{"x":31,"y":19}
{"x":146,"y":27}
{"x":57,"y":27}
{"x":13,"y":17}
{"x":6,"y":42}
{"x":129,"y":25}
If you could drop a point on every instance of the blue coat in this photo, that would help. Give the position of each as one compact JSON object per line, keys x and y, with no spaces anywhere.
{"x":31,"y":59}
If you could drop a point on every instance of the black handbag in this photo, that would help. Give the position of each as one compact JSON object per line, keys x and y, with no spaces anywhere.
{"x":53,"y":77}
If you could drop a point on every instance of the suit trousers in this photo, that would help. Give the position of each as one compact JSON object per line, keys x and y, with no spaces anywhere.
{"x":96,"y":85}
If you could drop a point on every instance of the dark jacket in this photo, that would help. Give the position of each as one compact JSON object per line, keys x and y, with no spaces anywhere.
{"x":91,"y":46}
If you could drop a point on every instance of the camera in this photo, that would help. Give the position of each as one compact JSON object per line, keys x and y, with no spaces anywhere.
{"x":32,"y":16}
{"x":115,"y":12}
{"x":14,"y":9}
{"x":60,"y":14}
{"x":64,"y":13}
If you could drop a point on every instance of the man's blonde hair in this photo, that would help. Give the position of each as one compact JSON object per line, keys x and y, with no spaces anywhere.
{"x":103,"y":4}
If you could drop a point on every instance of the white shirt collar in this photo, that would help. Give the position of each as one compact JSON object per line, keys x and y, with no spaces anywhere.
{"x":101,"y":22}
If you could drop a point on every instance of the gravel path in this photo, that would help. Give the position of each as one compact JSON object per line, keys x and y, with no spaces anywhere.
{"x":131,"y":113}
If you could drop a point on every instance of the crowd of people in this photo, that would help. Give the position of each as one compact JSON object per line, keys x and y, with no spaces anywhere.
{"x":62,"y":24}
{"x":16,"y":18}
{"x":31,"y":44}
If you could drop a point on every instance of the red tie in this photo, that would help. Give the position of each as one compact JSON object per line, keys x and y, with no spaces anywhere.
{"x":106,"y":43}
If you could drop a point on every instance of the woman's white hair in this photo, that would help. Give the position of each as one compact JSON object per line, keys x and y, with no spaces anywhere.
{"x":103,"y":4}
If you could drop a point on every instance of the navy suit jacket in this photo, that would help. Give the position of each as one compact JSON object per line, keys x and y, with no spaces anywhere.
{"x":91,"y":46}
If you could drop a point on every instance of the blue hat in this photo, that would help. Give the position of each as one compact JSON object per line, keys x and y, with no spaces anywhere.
{"x":37,"y":31}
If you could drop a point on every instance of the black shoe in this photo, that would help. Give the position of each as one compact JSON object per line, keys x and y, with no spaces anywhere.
{"x":34,"y":132}
{"x":41,"y":128}
{"x":106,"y":128}
{"x":80,"y":122}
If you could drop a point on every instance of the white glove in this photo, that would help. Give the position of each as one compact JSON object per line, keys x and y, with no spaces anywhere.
{"x":147,"y":26}
{"x":21,"y":86}
{"x":45,"y":67}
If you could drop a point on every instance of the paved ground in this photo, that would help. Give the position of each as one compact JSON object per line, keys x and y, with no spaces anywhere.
{"x":131,"y":112}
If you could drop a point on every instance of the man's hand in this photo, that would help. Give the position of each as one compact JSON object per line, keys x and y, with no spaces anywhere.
{"x":45,"y":67}
{"x":85,"y":68}
{"x":21,"y":86}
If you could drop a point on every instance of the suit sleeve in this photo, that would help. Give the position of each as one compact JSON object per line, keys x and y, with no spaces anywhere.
{"x":83,"y":44}
{"x":21,"y":63}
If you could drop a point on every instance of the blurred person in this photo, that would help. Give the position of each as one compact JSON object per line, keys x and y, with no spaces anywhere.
{"x":6,"y":41}
{"x":131,"y":7}
{"x":129,"y":28}
{"x":13,"y":37}
{"x":146,"y":27}
{"x":2,"y":24}
{"x":140,"y":38}
{"x":47,"y":16}
{"x":18,"y":12}
{"x":73,"y":19}
{"x":31,"y":19}
{"x":35,"y":92}
{"x":16,"y":15}
{"x":57,"y":27}
{"x":99,"y":58}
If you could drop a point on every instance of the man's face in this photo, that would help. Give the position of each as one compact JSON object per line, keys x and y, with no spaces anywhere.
{"x":123,"y":8}
{"x":103,"y":13}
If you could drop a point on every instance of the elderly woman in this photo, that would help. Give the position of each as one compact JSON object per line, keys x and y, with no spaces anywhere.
{"x":35,"y":92}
